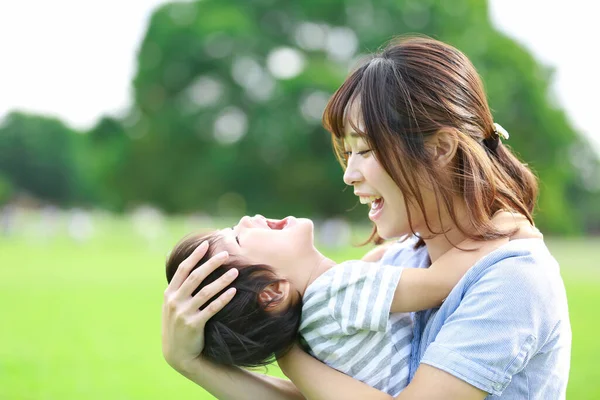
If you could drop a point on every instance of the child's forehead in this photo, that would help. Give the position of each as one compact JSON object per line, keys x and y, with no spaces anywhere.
{"x":222,"y":240}
{"x":218,"y":238}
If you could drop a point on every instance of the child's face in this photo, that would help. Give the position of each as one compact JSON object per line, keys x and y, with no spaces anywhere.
{"x":285,"y":245}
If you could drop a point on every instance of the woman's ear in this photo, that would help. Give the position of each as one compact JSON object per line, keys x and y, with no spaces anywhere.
{"x":275,"y":296}
{"x":443,"y":145}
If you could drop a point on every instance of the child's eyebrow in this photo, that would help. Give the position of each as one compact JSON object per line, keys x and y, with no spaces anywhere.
{"x":224,"y":233}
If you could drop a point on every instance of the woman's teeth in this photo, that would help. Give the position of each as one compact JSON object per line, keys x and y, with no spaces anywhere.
{"x":377,"y":204}
{"x":368,"y":199}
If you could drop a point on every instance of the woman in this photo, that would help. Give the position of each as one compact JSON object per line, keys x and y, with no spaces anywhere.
{"x":415,"y":135}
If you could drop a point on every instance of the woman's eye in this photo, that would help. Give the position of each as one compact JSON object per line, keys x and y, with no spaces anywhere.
{"x":360,"y":153}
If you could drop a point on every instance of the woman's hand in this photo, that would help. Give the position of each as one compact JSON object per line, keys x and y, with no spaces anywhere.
{"x":182,"y":321}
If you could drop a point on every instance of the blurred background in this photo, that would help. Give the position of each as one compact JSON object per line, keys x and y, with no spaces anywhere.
{"x":125,"y":125}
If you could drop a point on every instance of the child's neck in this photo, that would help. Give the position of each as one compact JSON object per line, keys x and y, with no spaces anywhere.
{"x":322,"y":265}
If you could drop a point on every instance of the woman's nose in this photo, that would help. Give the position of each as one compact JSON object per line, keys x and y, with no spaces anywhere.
{"x":352,"y":176}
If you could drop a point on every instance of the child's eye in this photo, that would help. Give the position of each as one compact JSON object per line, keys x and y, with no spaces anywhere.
{"x":237,"y":239}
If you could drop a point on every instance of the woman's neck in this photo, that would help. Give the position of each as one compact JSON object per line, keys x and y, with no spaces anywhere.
{"x":440,"y":243}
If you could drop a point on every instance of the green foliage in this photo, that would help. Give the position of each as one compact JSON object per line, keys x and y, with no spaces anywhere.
{"x":215,"y":127}
{"x":6,"y":190}
{"x":283,"y":162}
{"x":104,"y":154}
{"x":37,"y":155}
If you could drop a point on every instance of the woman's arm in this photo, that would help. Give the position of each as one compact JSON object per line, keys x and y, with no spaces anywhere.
{"x":318,"y":381}
{"x":183,"y":335}
{"x":237,"y":383}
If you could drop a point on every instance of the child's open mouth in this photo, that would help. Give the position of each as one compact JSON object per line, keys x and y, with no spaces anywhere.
{"x":280,"y":224}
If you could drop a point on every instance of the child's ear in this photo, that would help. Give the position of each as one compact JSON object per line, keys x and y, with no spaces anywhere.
{"x":275,"y":296}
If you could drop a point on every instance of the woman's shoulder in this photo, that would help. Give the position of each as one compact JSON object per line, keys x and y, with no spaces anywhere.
{"x":523,"y":273}
{"x":508,"y":308}
{"x":403,"y":253}
{"x":518,"y":259}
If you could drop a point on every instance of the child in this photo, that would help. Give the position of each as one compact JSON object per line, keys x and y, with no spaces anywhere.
{"x":352,"y":316}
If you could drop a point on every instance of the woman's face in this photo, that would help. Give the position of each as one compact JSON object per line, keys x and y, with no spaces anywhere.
{"x":374,"y":186}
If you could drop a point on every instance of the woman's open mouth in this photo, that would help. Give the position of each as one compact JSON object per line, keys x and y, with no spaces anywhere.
{"x":376,"y":208}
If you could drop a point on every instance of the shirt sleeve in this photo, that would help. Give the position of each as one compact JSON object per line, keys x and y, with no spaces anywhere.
{"x":361,"y":296}
{"x":503,"y":318}
{"x":399,"y":252}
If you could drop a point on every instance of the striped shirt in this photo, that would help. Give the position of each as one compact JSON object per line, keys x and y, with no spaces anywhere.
{"x":346,"y":323}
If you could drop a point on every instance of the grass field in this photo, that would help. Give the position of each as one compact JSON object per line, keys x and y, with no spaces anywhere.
{"x":82,"y":320}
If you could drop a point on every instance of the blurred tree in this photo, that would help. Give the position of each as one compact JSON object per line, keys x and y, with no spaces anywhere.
{"x":37,"y":157}
{"x":229,"y":96}
{"x":6,"y":190}
{"x":228,"y":102}
{"x":105,"y":152}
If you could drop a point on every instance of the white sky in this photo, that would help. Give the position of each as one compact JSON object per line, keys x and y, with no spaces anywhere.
{"x":75,"y":59}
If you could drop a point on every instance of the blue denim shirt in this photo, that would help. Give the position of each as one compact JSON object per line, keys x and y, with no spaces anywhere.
{"x":504,"y":328}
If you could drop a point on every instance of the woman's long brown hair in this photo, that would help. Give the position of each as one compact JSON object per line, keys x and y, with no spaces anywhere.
{"x":417,"y":87}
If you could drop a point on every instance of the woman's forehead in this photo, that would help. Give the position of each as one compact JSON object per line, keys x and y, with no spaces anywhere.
{"x":353,"y":120}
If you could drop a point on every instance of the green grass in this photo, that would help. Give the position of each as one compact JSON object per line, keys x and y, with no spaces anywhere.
{"x":82,"y":321}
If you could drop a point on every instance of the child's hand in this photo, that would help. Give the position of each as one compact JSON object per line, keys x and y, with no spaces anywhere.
{"x":507,"y":221}
{"x":504,"y":221}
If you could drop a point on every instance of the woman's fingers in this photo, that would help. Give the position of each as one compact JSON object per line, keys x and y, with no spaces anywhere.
{"x":215,"y":306}
{"x":208,"y":291}
{"x":199,"y":274}
{"x":183,"y":270}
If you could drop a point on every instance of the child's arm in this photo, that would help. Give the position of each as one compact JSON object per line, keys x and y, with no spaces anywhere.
{"x":420,"y":289}
{"x":423,"y":288}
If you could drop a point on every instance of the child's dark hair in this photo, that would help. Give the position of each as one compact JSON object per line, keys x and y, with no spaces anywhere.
{"x":243,"y":333}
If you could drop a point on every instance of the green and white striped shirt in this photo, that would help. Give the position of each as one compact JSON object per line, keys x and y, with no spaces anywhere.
{"x":346,"y":323}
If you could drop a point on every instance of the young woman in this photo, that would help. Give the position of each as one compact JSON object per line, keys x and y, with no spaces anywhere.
{"x":414,"y":132}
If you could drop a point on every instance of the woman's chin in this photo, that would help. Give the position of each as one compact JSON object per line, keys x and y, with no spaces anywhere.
{"x":385,"y":233}
{"x":388,"y":232}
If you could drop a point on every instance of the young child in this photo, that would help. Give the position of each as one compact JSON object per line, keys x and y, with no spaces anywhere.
{"x":352,"y":315}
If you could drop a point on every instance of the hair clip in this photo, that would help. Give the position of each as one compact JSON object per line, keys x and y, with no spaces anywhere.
{"x":501,"y":131}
